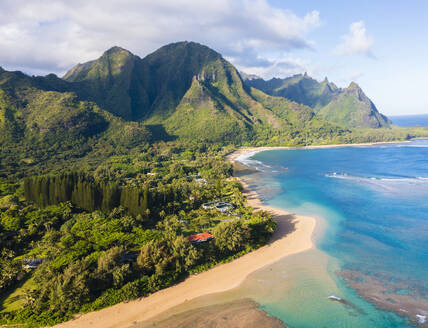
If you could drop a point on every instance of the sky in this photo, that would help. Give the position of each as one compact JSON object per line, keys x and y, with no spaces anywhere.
{"x":382,"y":45}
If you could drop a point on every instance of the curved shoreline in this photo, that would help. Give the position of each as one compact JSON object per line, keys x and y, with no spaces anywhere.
{"x":293,"y":235}
{"x":253,"y":150}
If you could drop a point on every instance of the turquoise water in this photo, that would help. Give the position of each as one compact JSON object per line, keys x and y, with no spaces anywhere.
{"x":374,"y":251}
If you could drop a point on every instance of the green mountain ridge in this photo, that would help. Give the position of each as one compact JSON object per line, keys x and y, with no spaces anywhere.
{"x":186,"y":87}
{"x":136,"y":87}
{"x":41,"y":127}
{"x":184,"y":91}
{"x":349,"y":106}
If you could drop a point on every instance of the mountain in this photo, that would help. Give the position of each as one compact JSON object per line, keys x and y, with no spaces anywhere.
{"x":185,"y":87}
{"x":121,"y":101}
{"x":299,"y":88}
{"x":135,"y":88}
{"x":183,"y":91}
{"x":43,"y":129}
{"x":246,"y":76}
{"x":349,"y":107}
{"x":353,"y":108}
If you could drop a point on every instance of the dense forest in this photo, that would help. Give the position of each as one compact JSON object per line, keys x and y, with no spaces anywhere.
{"x":79,"y":241}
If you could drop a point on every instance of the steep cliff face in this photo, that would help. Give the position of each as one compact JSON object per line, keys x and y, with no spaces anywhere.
{"x":182,"y":90}
{"x":186,"y":87}
{"x":135,"y":88}
{"x":349,"y":107}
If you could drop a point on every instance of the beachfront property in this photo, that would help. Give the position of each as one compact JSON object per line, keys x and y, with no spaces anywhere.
{"x":198,"y":179}
{"x":201,"y":181}
{"x":208,"y":206}
{"x":219,"y":206}
{"x":200,"y":238}
{"x":32,"y":263}
{"x":223,"y":206}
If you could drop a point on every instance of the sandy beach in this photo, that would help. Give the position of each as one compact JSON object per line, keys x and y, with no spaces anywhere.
{"x":293,"y":235}
{"x":252,"y":150}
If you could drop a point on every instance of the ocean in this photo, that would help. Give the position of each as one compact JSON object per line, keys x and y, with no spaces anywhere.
{"x":410,"y":120}
{"x":370,"y":265}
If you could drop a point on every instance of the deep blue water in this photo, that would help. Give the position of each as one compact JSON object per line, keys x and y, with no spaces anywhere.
{"x":375,"y":202}
{"x":410,"y":120}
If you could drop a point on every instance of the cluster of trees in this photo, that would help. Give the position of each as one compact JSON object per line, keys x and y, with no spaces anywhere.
{"x":85,"y":192}
{"x":142,"y":183}
{"x":117,"y":230}
{"x":88,"y":258}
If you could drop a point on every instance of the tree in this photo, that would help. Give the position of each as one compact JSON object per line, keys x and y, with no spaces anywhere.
{"x":70,"y":289}
{"x":109,"y":259}
{"x":171,"y":253}
{"x":184,"y":253}
{"x":231,"y":236}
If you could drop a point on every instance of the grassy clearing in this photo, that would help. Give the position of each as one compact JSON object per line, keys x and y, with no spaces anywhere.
{"x":15,"y":300}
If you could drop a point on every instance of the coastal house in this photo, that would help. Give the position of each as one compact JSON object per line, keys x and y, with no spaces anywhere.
{"x":32,"y":263}
{"x":223,"y":206}
{"x":197,"y":178}
{"x":200,"y":238}
{"x":208,"y":206}
{"x":201,"y":181}
{"x":219,"y":206}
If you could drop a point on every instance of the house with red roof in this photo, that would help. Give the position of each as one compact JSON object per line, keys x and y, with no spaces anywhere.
{"x":200,"y":237}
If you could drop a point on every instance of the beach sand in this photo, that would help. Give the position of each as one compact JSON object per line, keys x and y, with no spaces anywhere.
{"x":292,"y":235}
{"x":251,"y":150}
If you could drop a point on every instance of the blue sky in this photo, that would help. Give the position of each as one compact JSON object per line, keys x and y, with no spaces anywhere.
{"x":396,"y":78}
{"x":379,"y":44}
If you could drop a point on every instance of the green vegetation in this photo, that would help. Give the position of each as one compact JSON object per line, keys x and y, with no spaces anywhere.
{"x":118,"y":232}
{"x":103,"y":173}
{"x":349,"y":107}
{"x":120,"y":103}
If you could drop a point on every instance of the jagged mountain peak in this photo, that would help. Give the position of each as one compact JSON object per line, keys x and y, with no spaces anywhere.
{"x":353,"y":85}
{"x":111,"y":62}
{"x":115,"y":50}
{"x":189,"y":45}
{"x":246,"y":76}
{"x":349,"y":106}
{"x":137,"y":88}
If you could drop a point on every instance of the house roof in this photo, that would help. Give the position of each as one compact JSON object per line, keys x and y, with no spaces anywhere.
{"x":200,"y":236}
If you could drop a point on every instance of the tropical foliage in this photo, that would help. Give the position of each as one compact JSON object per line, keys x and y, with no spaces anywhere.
{"x":103,"y":175}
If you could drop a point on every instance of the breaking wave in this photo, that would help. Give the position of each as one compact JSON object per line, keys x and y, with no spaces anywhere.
{"x":246,"y":160}
{"x":374,"y":180}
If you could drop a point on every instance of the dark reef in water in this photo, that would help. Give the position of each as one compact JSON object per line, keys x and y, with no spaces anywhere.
{"x":390,"y":294}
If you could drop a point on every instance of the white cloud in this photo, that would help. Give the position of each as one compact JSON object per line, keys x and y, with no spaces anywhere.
{"x":52,"y":35}
{"x":357,"y":41}
{"x":270,"y":68}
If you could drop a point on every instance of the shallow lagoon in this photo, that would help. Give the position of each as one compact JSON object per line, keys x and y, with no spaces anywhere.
{"x":371,"y":237}
{"x":373,"y":201}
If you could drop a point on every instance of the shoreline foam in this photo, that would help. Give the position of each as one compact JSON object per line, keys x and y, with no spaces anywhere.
{"x":293,"y":235}
{"x":244,"y":153}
